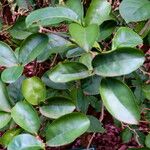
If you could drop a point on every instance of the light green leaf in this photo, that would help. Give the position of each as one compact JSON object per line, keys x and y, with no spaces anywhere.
{"x":85,"y":37}
{"x":57,"y":107}
{"x":98,"y":12}
{"x":68,"y":71}
{"x":49,"y":16}
{"x":95,"y":125}
{"x":126,"y":37}
{"x":135,"y":10}
{"x":146,"y":91}
{"x":7,"y":56}
{"x":66,"y":129}
{"x":26,"y":117}
{"x":25,"y":142}
{"x":5,"y":118}
{"x":34,"y":90}
{"x":147,"y":140}
{"x":121,"y":61}
{"x":11,"y":74}
{"x":32,"y":47}
{"x":119,"y":101}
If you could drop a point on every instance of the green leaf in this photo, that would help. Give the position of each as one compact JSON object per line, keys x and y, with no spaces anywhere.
{"x":66,"y":129}
{"x":5,"y":118}
{"x":126,"y":135}
{"x":7,"y":56}
{"x":135,"y":10}
{"x":95,"y":125}
{"x":119,"y":101}
{"x":147,"y":140}
{"x":118,"y":62}
{"x":26,"y":117}
{"x":8,"y":135}
{"x":10,"y":75}
{"x":85,"y":37}
{"x":32,"y":47}
{"x":126,"y":37}
{"x":146,"y":91}
{"x":4,"y":99}
{"x":49,"y":16}
{"x":57,"y":107}
{"x":34,"y":90}
{"x":77,"y":7}
{"x":98,"y":12}
{"x":68,"y":71}
{"x":25,"y":142}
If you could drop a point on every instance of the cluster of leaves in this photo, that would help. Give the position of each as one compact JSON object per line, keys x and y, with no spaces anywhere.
{"x":55,"y":105}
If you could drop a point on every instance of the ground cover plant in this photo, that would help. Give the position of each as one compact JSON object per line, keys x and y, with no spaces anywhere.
{"x":75,"y":74}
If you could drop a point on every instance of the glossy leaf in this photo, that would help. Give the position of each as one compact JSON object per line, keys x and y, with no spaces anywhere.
{"x":126,"y":37}
{"x":7,"y":56}
{"x":8,"y":135}
{"x":85,"y":37}
{"x":57,"y":107}
{"x":98,"y":12}
{"x":137,"y":10}
{"x":32,"y":47}
{"x":5,"y":118}
{"x":118,"y":62}
{"x":146,"y":91}
{"x":10,"y":75}
{"x":68,"y":71}
{"x":25,"y":142}
{"x":66,"y":129}
{"x":4,"y":99}
{"x":147,"y":140}
{"x":26,"y":117}
{"x":119,"y":101}
{"x":95,"y":125}
{"x":34,"y":90}
{"x":49,"y":16}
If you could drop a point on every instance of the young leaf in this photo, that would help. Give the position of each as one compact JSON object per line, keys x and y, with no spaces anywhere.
{"x":4,"y":99}
{"x":68,"y":71}
{"x":57,"y":107}
{"x":95,"y":125}
{"x":8,"y":135}
{"x":32,"y":47}
{"x":146,"y":91}
{"x":126,"y":37}
{"x":66,"y":129}
{"x":121,"y":61}
{"x":119,"y":101}
{"x":135,"y":10}
{"x":98,"y":12}
{"x":85,"y":37}
{"x":147,"y":140}
{"x":5,"y":118}
{"x":50,"y":16}
{"x":25,"y":142}
{"x":34,"y":90}
{"x":11,"y":74}
{"x":26,"y":117}
{"x":7,"y":56}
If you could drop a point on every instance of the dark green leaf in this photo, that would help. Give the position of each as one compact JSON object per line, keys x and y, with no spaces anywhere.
{"x":126,"y":135}
{"x":49,"y":16}
{"x":5,"y":118}
{"x":119,"y":101}
{"x":26,"y":117}
{"x":85,"y":37}
{"x":118,"y":62}
{"x":7,"y":56}
{"x":147,"y":140}
{"x":126,"y":37}
{"x":98,"y":12}
{"x":146,"y":91}
{"x":25,"y":142}
{"x":68,"y":71}
{"x":135,"y":10}
{"x":32,"y":47}
{"x":66,"y":129}
{"x":34,"y":90}
{"x":57,"y":107}
{"x":10,"y":75}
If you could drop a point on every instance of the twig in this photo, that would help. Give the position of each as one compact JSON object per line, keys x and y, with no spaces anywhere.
{"x":147,"y":26}
{"x":54,"y":60}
